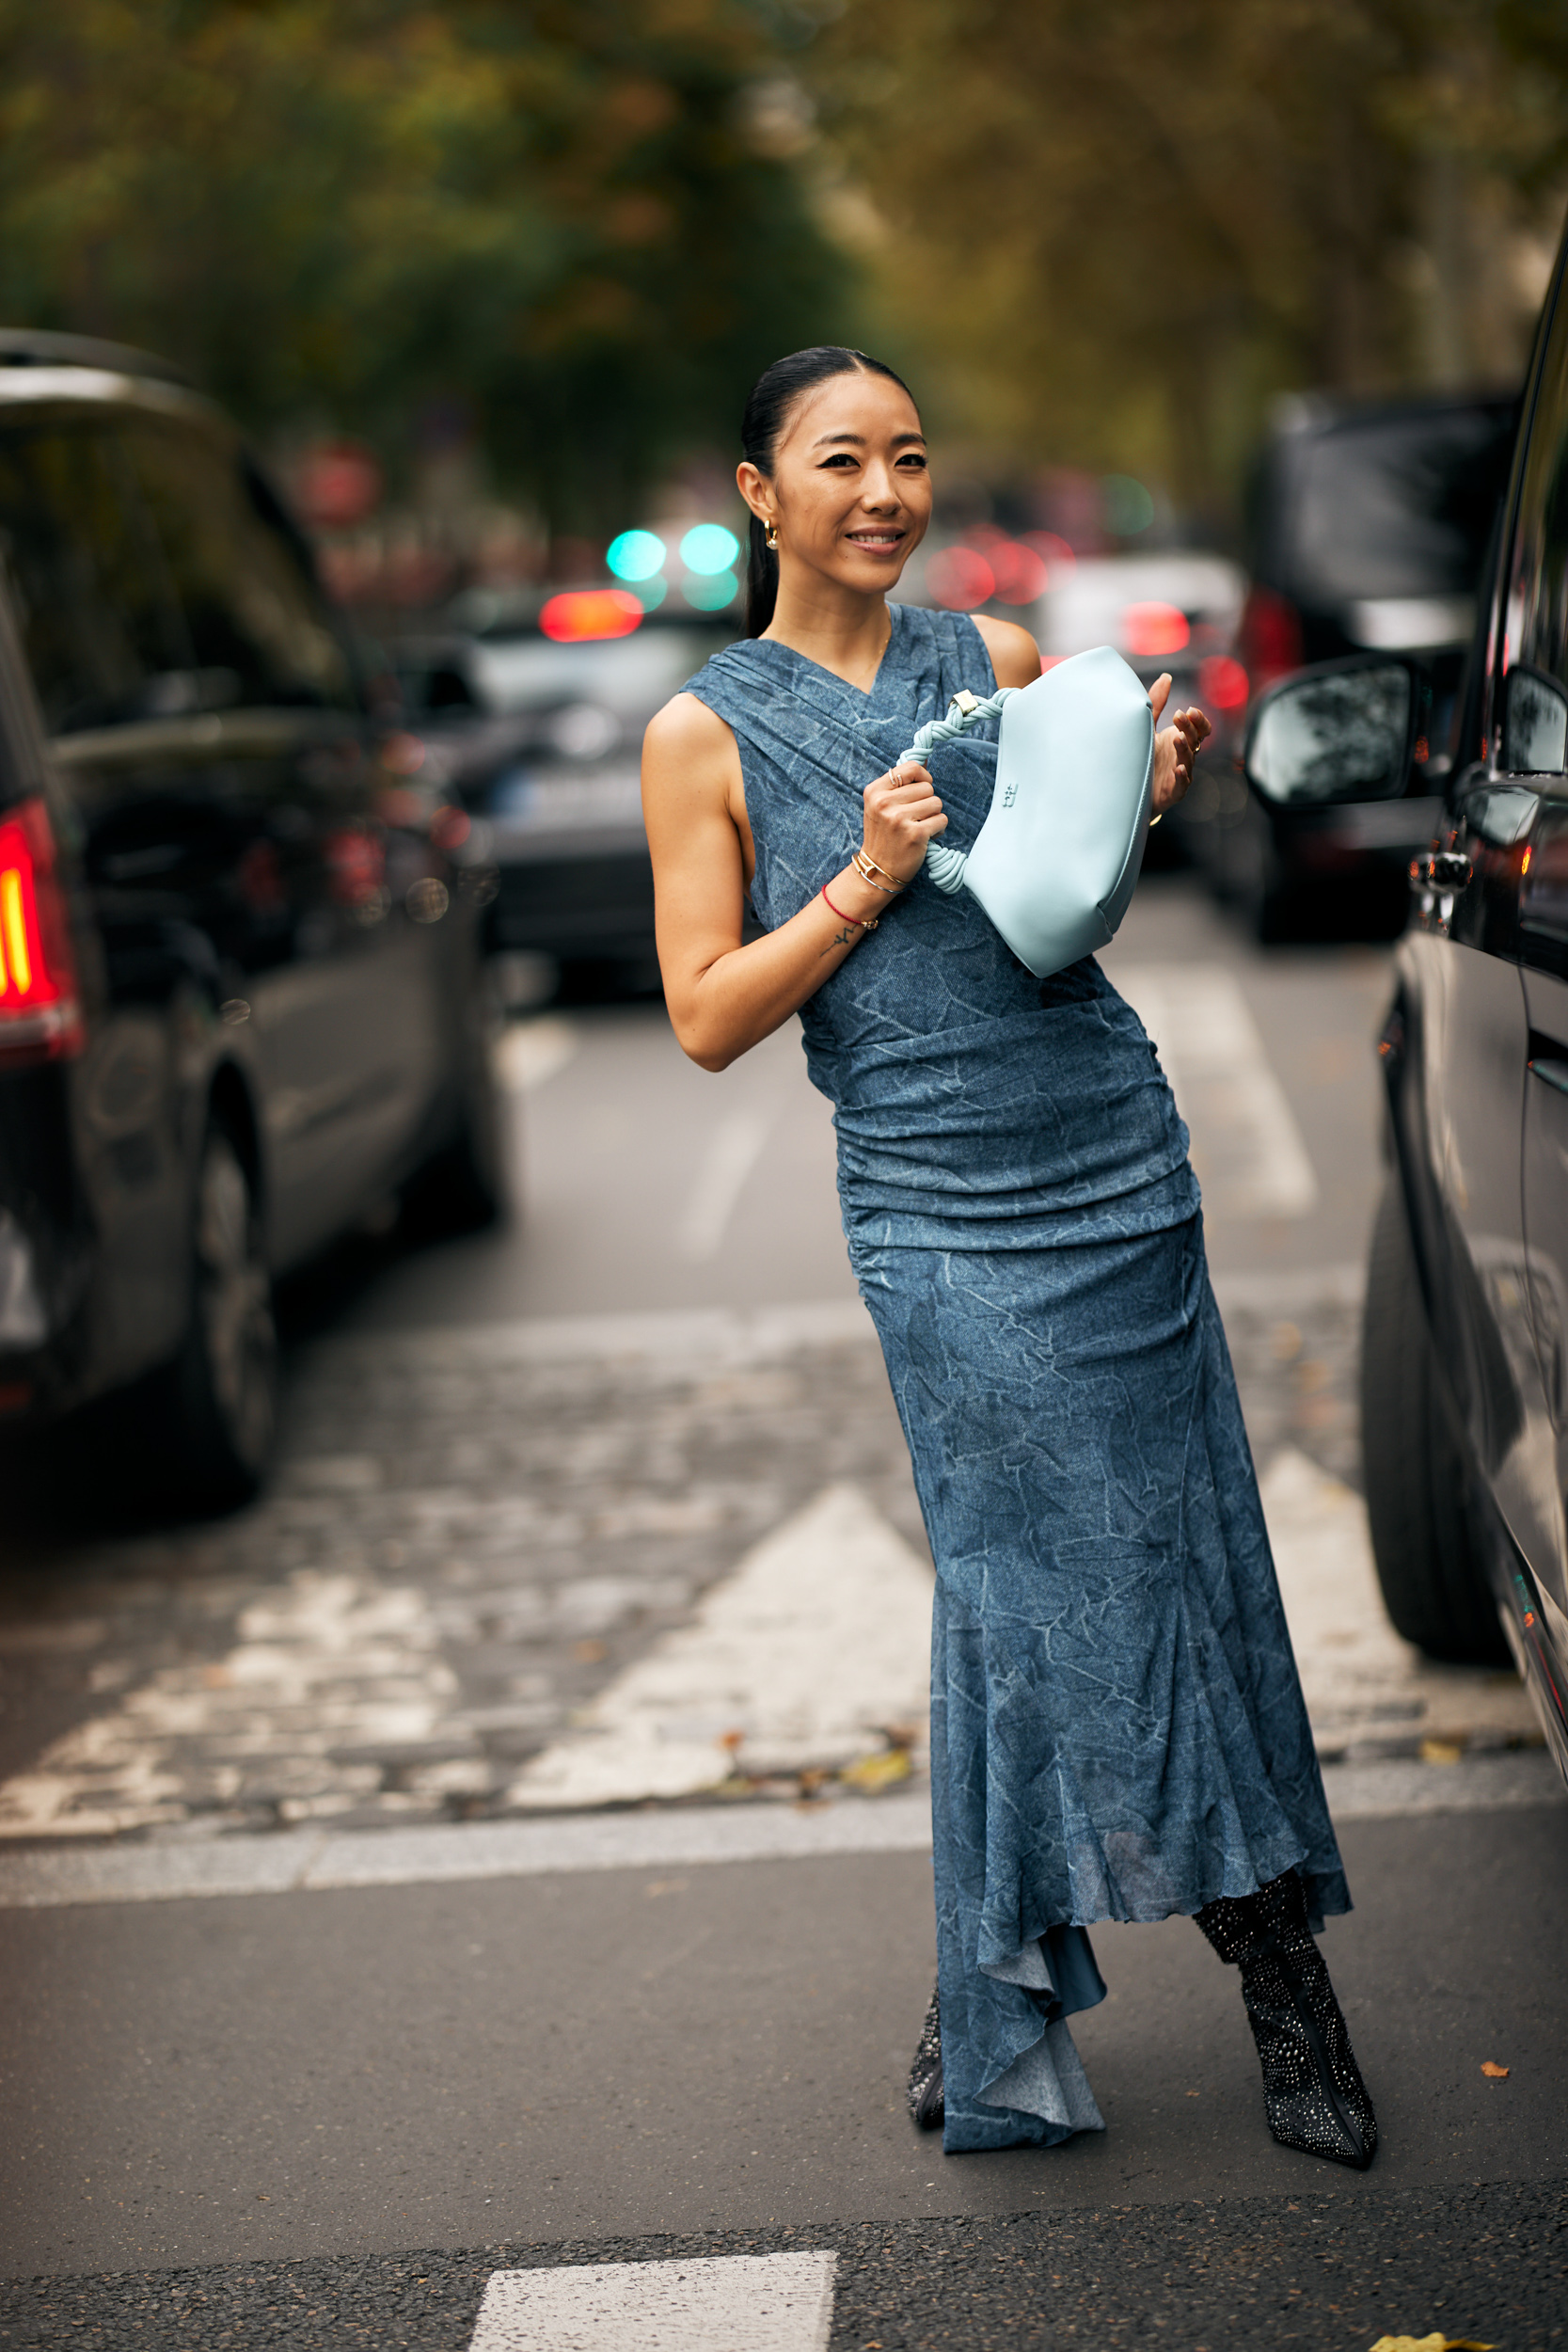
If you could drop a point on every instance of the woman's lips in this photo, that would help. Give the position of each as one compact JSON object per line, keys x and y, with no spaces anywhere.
{"x":876,"y":543}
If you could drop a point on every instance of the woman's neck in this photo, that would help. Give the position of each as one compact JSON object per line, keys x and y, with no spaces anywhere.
{"x":845,"y":633}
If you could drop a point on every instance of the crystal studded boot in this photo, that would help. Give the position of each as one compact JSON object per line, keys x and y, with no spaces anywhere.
{"x":925,"y":2086}
{"x":1313,"y":2093}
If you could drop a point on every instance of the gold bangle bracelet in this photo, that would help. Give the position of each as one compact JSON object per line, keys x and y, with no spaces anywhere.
{"x":863,"y":852}
{"x":867,"y":869}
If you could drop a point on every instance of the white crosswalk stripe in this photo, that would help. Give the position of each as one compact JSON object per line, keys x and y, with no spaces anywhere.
{"x":806,"y":1657}
{"x":726,"y":2303}
{"x":1247,"y":1147}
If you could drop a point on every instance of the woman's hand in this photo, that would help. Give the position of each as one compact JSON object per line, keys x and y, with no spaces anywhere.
{"x":1176,"y":747}
{"x":902,"y":813}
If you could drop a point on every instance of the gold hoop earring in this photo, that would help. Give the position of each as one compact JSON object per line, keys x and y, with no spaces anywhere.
{"x":770,"y":538}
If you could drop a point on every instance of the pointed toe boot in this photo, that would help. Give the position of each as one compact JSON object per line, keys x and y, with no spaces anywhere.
{"x":1313,"y":2094}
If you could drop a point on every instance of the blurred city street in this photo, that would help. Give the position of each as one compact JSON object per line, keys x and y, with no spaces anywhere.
{"x":482,"y":489}
{"x":508,"y":1842}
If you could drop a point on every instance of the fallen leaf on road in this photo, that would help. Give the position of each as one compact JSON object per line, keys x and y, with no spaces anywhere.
{"x":1437,"y":2342}
{"x":871,"y":1772}
{"x":1499,"y":2073}
{"x":1442,"y":1751}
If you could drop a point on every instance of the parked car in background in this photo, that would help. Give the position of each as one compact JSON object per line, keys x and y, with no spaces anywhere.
{"x":1369,"y":527}
{"x":241,"y":993}
{"x":1178,"y":612}
{"x":534,"y":721}
{"x":1465,"y":1373}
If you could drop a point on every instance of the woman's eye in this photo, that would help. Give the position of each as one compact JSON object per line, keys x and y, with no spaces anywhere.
{"x":840,"y":457}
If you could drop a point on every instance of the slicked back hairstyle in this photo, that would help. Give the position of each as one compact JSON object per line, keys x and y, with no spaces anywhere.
{"x":773,"y":395}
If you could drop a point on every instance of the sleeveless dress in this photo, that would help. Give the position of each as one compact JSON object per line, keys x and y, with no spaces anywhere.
{"x":1117,"y":1729}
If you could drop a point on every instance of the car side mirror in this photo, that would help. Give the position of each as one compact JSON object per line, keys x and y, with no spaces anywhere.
{"x":1341,"y":731}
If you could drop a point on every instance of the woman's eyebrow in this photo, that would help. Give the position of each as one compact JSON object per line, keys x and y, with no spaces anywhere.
{"x":899,"y":440}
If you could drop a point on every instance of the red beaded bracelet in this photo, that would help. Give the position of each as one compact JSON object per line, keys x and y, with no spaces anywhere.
{"x":850,"y":918}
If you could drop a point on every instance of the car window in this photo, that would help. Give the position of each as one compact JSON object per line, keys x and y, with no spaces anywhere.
{"x":1534,"y":712}
{"x":1398,"y":506}
{"x":94,"y":603}
{"x":259,"y":628}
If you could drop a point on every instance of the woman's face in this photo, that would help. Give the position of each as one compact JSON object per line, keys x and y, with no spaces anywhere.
{"x":850,"y":493}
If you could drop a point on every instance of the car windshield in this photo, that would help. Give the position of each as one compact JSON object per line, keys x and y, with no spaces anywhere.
{"x":629,"y":676}
{"x":1399,"y":505}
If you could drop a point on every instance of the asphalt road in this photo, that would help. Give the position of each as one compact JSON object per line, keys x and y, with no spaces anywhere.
{"x":320,"y":2031}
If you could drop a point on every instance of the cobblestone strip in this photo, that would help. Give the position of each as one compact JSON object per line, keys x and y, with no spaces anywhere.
{"x":470,"y":1535}
{"x":462,"y":1545}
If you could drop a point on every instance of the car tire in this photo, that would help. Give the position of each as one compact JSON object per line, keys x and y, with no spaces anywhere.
{"x":466,"y":1185}
{"x":1434,"y":1583}
{"x":209,"y":1418}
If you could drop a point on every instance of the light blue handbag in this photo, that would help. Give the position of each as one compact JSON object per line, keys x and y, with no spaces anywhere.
{"x":1056,"y":861}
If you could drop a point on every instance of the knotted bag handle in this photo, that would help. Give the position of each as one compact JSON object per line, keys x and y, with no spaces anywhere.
{"x":944,"y":866}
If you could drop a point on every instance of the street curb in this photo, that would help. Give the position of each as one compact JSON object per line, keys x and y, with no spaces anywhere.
{"x":323,"y":1861}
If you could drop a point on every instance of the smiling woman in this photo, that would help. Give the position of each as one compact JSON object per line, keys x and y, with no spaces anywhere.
{"x":1116,"y":1726}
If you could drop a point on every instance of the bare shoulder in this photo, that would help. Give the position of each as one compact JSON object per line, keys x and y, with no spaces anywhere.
{"x":1014,"y":655}
{"x":687,"y":745}
{"x":687,"y":728}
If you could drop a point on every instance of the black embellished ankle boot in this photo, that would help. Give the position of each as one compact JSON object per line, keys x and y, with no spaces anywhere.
{"x":925,"y":2087}
{"x":1313,"y":2093}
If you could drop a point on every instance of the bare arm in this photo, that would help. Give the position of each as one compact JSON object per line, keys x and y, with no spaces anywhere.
{"x":724,"y":998}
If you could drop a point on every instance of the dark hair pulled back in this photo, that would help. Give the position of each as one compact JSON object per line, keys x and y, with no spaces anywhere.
{"x":773,"y":395}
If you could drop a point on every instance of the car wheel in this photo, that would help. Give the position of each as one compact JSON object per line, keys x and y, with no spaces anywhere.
{"x":1434,"y":1584}
{"x":208,"y":1420}
{"x":466,"y":1185}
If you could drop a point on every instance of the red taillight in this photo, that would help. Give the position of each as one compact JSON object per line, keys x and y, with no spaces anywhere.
{"x":1269,"y":640}
{"x":960,"y":579}
{"x":1151,"y":630}
{"x":1221,"y":682}
{"x":582,"y":613}
{"x":39,"y":1017}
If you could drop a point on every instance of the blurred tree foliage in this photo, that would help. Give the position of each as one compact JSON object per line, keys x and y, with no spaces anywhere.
{"x":1113,"y":229}
{"x":333,"y":212}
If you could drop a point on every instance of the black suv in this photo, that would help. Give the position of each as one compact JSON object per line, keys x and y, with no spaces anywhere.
{"x":240,"y":992}
{"x":1369,"y":527}
{"x":1464,"y":1402}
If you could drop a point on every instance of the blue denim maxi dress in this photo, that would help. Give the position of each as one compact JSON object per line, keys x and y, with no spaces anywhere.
{"x":1117,"y":1729}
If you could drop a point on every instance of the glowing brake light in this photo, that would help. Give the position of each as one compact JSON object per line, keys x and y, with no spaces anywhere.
{"x":39,"y":1017}
{"x":1154,"y":628}
{"x":586,"y":612}
{"x":960,"y":579}
{"x":1223,"y":682}
{"x":1269,"y":639}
